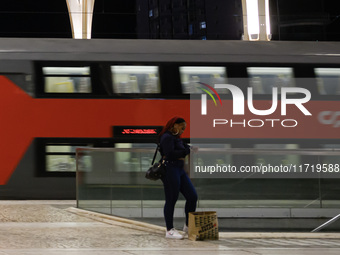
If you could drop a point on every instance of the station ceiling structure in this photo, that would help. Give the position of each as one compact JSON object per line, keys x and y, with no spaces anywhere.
{"x":293,"y":20}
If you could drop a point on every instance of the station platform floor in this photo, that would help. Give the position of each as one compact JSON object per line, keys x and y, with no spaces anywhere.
{"x":57,"y":227}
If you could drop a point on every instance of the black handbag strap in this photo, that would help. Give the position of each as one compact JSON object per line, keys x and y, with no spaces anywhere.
{"x":154,"y":156}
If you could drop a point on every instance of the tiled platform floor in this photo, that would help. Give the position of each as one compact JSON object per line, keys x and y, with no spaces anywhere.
{"x":56,"y":227}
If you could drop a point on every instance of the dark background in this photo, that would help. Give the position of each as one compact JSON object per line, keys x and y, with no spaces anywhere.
{"x":171,"y":19}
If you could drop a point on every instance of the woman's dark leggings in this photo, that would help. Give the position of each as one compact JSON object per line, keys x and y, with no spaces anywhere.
{"x":175,"y":181}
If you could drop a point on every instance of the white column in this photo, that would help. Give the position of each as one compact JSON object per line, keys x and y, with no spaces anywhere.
{"x":81,"y":12}
{"x":264,"y":17}
{"x":256,"y":20}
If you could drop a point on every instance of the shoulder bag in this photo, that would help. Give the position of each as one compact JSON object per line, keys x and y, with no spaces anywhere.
{"x":157,"y":170}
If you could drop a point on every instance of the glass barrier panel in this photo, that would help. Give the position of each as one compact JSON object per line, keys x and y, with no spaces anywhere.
{"x":265,"y":177}
{"x":94,"y":180}
{"x":277,"y":159}
{"x":113,"y":181}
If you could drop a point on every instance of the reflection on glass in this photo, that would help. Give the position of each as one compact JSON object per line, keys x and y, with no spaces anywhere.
{"x":191,"y":76}
{"x":211,"y":159}
{"x":67,"y":80}
{"x":133,"y":161}
{"x":135,"y":79}
{"x":334,"y":160}
{"x":277,"y":160}
{"x":129,"y":194}
{"x":264,"y":79}
{"x":328,"y":80}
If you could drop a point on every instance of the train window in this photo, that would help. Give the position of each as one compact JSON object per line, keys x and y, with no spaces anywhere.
{"x":60,"y":158}
{"x":263,"y":79}
{"x":135,"y":79}
{"x":67,"y":79}
{"x":328,"y":80}
{"x":191,"y":76}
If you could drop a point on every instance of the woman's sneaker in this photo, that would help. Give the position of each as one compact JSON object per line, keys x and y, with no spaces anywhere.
{"x":174,"y":234}
{"x":185,"y":229}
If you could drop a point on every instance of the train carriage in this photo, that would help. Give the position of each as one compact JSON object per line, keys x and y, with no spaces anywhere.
{"x":59,"y":94}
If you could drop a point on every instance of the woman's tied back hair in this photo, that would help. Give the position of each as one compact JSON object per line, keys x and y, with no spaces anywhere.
{"x":170,"y":124}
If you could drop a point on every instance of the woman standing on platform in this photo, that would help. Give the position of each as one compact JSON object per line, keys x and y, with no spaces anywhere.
{"x":174,"y":150}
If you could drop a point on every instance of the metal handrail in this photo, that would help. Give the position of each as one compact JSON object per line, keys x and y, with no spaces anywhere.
{"x":239,"y":151}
